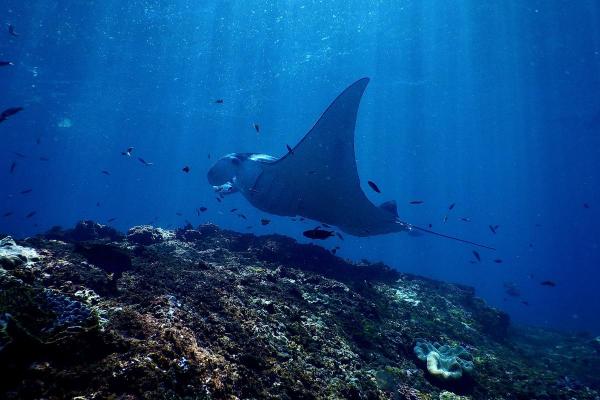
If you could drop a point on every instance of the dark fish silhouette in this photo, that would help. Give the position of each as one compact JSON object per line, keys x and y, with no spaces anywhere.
{"x":140,"y":159}
{"x":186,"y":169}
{"x":477,"y":256}
{"x":13,"y":166}
{"x":289,"y":149}
{"x":430,"y":226}
{"x":111,"y":219}
{"x":586,"y":205}
{"x":127,"y":152}
{"x":31,"y":214}
{"x":241,"y":216}
{"x":339,"y":235}
{"x":202,"y":209}
{"x":44,"y":158}
{"x":7,"y":214}
{"x":178,"y":214}
{"x":6,"y":63}
{"x":525,"y":303}
{"x":373,"y":186}
{"x":105,"y":172}
{"x":233,"y":210}
{"x":38,"y":140}
{"x":219,"y":101}
{"x":318,"y":234}
{"x":257,"y":128}
{"x":416,"y":202}
{"x":492,"y":229}
{"x":265,"y":221}
{"x":511,"y":289}
{"x":26,"y":191}
{"x":548,"y":283}
{"x":451,"y":206}
{"x":465,"y":219}
{"x":20,"y":155}
{"x":498,"y":261}
{"x":9,"y":112}
{"x":219,"y":199}
{"x":97,"y":204}
{"x":12,"y":31}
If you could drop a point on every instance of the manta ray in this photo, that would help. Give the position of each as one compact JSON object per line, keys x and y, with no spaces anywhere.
{"x":317,"y":179}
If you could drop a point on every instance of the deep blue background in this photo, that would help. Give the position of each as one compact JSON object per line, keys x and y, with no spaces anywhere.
{"x":492,"y":105}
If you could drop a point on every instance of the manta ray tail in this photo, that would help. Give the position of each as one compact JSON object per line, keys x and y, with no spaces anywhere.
{"x":418,"y":228}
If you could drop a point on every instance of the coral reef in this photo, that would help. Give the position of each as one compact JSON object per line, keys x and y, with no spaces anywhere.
{"x":207,"y":313}
{"x":444,"y":362}
{"x":146,"y":235}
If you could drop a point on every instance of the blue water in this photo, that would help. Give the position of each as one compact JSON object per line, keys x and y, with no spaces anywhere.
{"x":490,"y":105}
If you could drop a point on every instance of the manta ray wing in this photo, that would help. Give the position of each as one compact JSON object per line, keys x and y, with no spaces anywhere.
{"x":318,"y":178}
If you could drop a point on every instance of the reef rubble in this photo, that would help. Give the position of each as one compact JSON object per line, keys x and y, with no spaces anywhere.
{"x":205,"y":313}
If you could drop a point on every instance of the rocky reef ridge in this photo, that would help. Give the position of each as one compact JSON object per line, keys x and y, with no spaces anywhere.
{"x":202,"y":312}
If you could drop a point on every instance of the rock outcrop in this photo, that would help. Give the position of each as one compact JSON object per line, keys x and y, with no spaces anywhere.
{"x":207,"y":313}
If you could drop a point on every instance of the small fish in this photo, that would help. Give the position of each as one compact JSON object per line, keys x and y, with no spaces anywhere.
{"x":339,"y":235}
{"x":465,"y":219}
{"x":26,"y":191}
{"x":416,"y":202}
{"x":477,"y":256}
{"x":374,"y":186}
{"x":105,"y":172}
{"x":219,"y":101}
{"x":538,"y":225}
{"x":241,"y":216}
{"x":233,"y":210}
{"x":6,"y":63}
{"x":586,"y":205}
{"x":311,"y":172}
{"x":12,"y":31}
{"x":111,"y":219}
{"x":493,"y":229}
{"x":186,"y":169}
{"x":445,"y":218}
{"x":209,"y":156}
{"x":257,"y":128}
{"x":13,"y":166}
{"x":289,"y":149}
{"x":44,"y":158}
{"x":498,"y":261}
{"x":318,"y":234}
{"x":219,"y":199}
{"x":31,"y":214}
{"x":140,"y":159}
{"x":430,"y":226}
{"x":127,"y":152}
{"x":7,"y":214}
{"x":451,"y":206}
{"x":9,"y":112}
{"x":525,"y":303}
{"x":548,"y":283}
{"x":38,"y":140}
{"x":202,"y":209}
{"x":333,"y":251}
{"x":265,"y":221}
{"x":178,"y":214}
{"x":325,"y":225}
{"x":97,"y":204}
